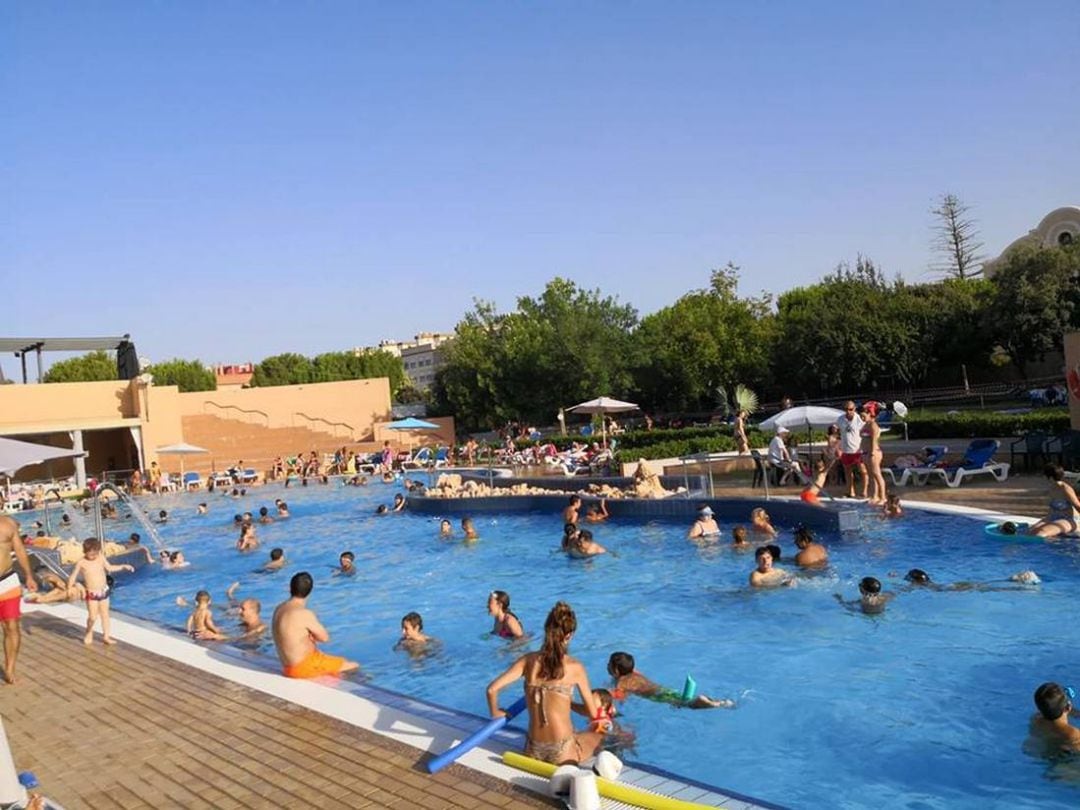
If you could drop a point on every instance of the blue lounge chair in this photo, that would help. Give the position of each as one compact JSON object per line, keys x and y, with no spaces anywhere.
{"x":421,"y":458}
{"x":442,"y":456}
{"x":978,"y":458}
{"x":192,"y":480}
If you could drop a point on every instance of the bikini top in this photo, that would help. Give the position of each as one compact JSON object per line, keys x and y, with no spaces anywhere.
{"x":540,"y":688}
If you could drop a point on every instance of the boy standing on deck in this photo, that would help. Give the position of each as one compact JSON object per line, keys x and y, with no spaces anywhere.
{"x":94,"y":567}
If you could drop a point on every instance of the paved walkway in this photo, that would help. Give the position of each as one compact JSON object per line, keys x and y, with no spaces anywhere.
{"x":122,"y":727}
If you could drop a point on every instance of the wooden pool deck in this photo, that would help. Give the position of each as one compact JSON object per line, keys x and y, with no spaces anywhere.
{"x":122,"y":727}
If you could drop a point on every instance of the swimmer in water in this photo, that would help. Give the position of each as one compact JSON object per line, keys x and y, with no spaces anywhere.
{"x":569,"y":536}
{"x":597,"y":514}
{"x":1021,"y":581}
{"x":247,"y":540}
{"x":604,"y":721}
{"x":399,"y":503}
{"x":506,"y":624}
{"x":628,"y":681}
{"x":200,"y":623}
{"x":413,"y":640}
{"x":766,"y":575}
{"x":761,"y":524}
{"x":282,"y":508}
{"x":583,"y":545}
{"x":704,"y":527}
{"x":446,"y":528}
{"x":382,"y":509}
{"x":346,"y":565}
{"x":201,"y":509}
{"x":570,"y":513}
{"x":871,"y":598}
{"x":277,"y":560}
{"x":264,"y":515}
{"x":811,"y":553}
{"x":469,"y":528}
{"x":162,"y":517}
{"x":738,"y":537}
{"x":892,"y":506}
{"x":1050,"y":731}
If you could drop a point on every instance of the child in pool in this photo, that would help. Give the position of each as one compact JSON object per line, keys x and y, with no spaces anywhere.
{"x":346,"y":565}
{"x":446,"y":528}
{"x":469,"y":529}
{"x":892,"y":506}
{"x":583,"y":545}
{"x":761,"y":524}
{"x":507,"y":625}
{"x":200,"y":623}
{"x":872,"y":599}
{"x":738,"y":537}
{"x":628,"y":681}
{"x":597,"y":515}
{"x":413,"y":640}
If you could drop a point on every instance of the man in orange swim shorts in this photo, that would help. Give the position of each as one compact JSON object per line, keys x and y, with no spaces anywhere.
{"x":296,"y":631}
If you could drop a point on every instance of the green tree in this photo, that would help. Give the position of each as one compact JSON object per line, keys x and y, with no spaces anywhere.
{"x":567,"y":345}
{"x":91,"y":367}
{"x":707,"y":340}
{"x":1036,"y":300}
{"x":188,"y":375}
{"x":283,"y":369}
{"x":377,"y":363}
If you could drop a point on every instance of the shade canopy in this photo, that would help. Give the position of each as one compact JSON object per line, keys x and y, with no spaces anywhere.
{"x":14,"y":455}
{"x":182,"y":449}
{"x":604,"y":405}
{"x":412,"y":423}
{"x":802,"y":416}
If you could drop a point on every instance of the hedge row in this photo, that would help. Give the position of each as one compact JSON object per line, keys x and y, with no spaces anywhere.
{"x":985,"y":424}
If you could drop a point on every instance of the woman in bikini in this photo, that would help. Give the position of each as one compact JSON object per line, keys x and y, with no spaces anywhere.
{"x":1061,"y":519}
{"x":551,"y":676}
{"x":742,"y":444}
{"x":873,"y":460}
{"x":506,"y":624}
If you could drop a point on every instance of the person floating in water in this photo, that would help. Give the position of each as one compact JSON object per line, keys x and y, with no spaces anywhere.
{"x":705,"y":527}
{"x":507,"y":625}
{"x":297,"y":630}
{"x":628,"y":681}
{"x":1022,"y":580}
{"x":766,"y":575}
{"x":446,"y":528}
{"x":811,"y":553}
{"x":892,"y":506}
{"x":382,"y":509}
{"x":871,"y":599}
{"x":1050,"y":730}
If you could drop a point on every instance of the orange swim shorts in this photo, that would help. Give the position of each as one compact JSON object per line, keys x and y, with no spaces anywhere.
{"x":809,"y":496}
{"x":316,"y":664}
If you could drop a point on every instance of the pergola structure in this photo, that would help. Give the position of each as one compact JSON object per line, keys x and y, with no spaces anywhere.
{"x":127,"y":363}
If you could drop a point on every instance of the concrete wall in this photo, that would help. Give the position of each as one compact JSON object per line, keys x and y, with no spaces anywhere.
{"x":21,"y":405}
{"x":356,"y":403}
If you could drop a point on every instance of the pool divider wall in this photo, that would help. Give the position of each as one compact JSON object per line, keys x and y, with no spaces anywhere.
{"x":785,"y":513}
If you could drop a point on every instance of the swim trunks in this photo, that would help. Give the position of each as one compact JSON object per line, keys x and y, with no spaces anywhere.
{"x":97,"y":596}
{"x":10,"y":594}
{"x":317,"y":663}
{"x":851,"y":459}
{"x":809,"y":496}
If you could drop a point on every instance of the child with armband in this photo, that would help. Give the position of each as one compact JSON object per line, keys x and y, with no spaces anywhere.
{"x":628,"y":681}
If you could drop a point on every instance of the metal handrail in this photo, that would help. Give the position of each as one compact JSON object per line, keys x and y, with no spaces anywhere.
{"x":263,"y":414}
{"x":350,"y":428}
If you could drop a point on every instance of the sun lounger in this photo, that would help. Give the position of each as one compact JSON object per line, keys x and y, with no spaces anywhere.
{"x":192,"y":480}
{"x":978,"y":459}
{"x":249,"y":476}
{"x":420,"y":459}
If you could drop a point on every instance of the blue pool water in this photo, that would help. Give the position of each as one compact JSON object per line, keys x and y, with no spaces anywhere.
{"x":925,"y":706}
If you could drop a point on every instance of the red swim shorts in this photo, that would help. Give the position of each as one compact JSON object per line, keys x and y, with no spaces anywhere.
{"x":809,"y":496}
{"x":10,"y":609}
{"x":851,"y":459}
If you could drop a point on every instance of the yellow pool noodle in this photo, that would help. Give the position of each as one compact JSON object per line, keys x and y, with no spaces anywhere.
{"x":607,"y":788}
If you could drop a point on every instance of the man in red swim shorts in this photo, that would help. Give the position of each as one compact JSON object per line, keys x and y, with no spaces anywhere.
{"x":296,"y":630}
{"x":11,"y":591}
{"x":851,"y":426}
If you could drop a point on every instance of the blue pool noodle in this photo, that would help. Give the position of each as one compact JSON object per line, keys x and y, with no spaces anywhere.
{"x":436,"y":764}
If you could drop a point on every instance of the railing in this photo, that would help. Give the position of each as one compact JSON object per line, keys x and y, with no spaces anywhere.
{"x":238,"y":409}
{"x":351,"y":431}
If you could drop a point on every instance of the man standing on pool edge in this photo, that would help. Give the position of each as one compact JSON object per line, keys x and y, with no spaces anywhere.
{"x":11,"y":591}
{"x":296,"y":631}
{"x":851,"y":426}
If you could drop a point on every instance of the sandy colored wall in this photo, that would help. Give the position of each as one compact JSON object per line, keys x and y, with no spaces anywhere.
{"x":56,"y":402}
{"x":1072,"y":376}
{"x":356,"y":403}
{"x":159,"y":410}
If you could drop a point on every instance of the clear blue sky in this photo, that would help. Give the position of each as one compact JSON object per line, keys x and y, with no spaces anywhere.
{"x":229,"y":180}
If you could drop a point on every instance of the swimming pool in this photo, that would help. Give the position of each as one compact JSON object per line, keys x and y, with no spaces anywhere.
{"x":926,"y":706}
